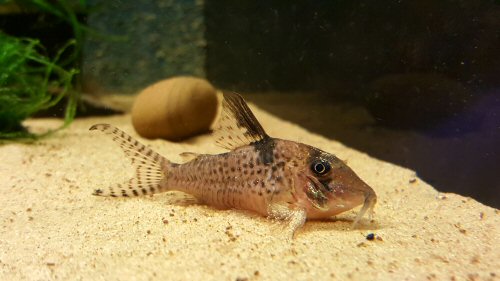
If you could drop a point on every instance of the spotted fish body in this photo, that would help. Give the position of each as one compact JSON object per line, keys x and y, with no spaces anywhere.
{"x":277,"y":178}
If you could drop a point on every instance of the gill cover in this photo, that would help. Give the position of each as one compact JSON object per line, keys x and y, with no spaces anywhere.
{"x":315,"y":193}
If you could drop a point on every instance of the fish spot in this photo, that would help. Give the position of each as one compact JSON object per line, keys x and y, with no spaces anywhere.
{"x":144,"y":191}
{"x":265,"y":148}
{"x":135,"y":192}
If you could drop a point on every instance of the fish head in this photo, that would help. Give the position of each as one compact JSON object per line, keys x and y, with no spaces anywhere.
{"x":326,"y":186}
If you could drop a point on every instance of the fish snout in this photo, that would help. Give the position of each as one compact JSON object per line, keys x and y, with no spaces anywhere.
{"x":349,"y":191}
{"x":357,"y":192}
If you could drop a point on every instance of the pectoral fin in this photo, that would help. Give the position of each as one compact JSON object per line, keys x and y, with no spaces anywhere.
{"x":294,"y":216}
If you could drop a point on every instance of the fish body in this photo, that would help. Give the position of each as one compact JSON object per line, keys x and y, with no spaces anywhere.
{"x":273,"y":177}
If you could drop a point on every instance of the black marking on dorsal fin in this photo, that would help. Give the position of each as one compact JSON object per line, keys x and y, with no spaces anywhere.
{"x":237,"y":126}
{"x":265,"y":148}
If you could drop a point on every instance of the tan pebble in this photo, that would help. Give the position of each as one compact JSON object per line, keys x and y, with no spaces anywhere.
{"x":175,"y":108}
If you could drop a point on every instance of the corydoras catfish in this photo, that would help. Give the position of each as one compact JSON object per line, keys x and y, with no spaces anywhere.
{"x":277,"y":178}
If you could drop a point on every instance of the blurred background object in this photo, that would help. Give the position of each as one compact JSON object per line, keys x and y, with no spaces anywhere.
{"x":175,"y":109}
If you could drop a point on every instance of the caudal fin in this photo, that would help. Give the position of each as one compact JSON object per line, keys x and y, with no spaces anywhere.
{"x":149,"y":166}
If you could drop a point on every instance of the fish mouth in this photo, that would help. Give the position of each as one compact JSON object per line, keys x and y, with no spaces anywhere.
{"x":368,"y":205}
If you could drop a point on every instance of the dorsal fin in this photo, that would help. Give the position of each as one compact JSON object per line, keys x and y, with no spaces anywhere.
{"x":237,"y":126}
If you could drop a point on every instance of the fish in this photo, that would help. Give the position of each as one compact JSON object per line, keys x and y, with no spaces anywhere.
{"x":280,"y":179}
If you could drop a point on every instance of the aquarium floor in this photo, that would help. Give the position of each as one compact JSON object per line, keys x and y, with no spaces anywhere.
{"x":53,"y":228}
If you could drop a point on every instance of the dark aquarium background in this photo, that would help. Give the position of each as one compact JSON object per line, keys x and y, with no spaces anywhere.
{"x":415,"y":83}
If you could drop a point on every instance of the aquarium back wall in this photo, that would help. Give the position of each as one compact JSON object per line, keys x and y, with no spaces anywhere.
{"x":340,"y":47}
{"x":139,"y":42}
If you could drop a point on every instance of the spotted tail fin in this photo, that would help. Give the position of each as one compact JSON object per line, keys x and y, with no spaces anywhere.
{"x":149,"y":166}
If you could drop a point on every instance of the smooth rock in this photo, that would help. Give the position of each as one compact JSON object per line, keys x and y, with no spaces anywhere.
{"x":175,"y":108}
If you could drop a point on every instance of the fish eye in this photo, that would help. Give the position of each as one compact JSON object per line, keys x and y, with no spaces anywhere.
{"x":320,"y":167}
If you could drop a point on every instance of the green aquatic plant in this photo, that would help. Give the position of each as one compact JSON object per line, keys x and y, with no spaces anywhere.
{"x":30,"y":82}
{"x":65,"y":10}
